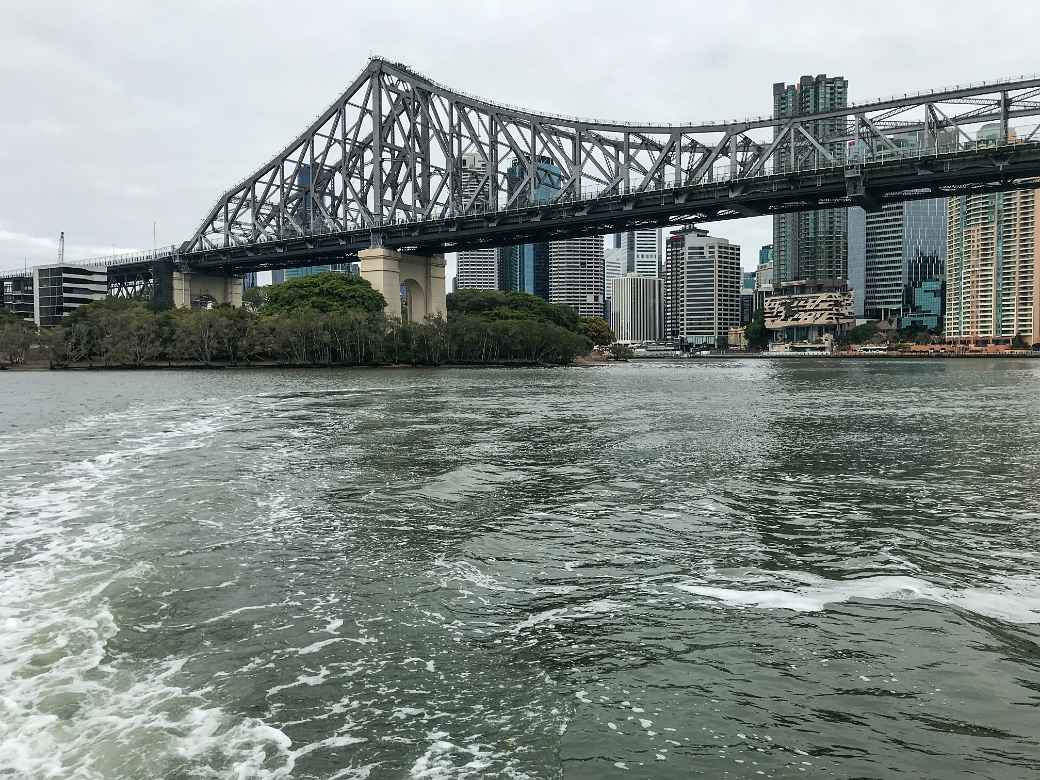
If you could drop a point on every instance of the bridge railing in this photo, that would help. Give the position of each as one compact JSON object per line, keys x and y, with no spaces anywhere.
{"x":126,"y":258}
{"x":102,"y":262}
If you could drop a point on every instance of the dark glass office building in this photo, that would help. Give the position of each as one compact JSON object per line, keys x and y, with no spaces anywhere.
{"x":525,"y":268}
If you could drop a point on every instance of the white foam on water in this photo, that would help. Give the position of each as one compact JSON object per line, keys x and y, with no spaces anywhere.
{"x":309,"y":680}
{"x":1015,"y":600}
{"x":68,"y":707}
{"x":444,"y":759}
{"x":577,"y":612}
{"x":406,"y":713}
{"x":309,"y":649}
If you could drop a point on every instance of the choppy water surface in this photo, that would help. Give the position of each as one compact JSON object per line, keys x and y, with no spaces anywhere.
{"x":726,"y":569}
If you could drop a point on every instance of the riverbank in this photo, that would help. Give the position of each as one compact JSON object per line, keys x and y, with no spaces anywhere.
{"x":190,"y":366}
{"x":582,"y":361}
{"x":838,"y":356}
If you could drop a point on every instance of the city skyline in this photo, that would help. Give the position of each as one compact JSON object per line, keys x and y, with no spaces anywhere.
{"x":125,"y":98}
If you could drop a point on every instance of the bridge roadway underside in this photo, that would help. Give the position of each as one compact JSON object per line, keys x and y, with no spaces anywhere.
{"x":873,"y":185}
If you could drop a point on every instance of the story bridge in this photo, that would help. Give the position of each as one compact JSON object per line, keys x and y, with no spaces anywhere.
{"x":400,"y":169}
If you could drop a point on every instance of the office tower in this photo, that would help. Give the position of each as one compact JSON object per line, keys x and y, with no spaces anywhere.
{"x":811,"y":245}
{"x":477,"y":269}
{"x":765,"y":254}
{"x":640,"y":250}
{"x":613,"y":267}
{"x":304,"y":218}
{"x":702,"y":283}
{"x":927,"y":304}
{"x":525,"y":268}
{"x":635,"y":308}
{"x":764,"y":276}
{"x":613,"y":263}
{"x":576,"y":274}
{"x":993,"y":268}
{"x":249,"y":280}
{"x":893,"y":251}
{"x":61,"y":289}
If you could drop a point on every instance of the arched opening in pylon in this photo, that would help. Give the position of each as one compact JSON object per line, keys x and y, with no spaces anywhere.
{"x":413,"y":301}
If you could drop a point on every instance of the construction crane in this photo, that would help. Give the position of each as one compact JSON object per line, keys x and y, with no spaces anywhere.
{"x":61,"y":248}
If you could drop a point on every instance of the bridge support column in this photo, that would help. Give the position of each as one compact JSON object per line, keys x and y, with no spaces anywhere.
{"x":190,"y":287}
{"x":413,"y":285}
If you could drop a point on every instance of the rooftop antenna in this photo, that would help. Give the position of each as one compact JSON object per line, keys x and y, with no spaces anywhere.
{"x":61,"y":248}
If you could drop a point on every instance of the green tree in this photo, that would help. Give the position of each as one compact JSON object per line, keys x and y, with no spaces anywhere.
{"x":327,"y":292}
{"x":196,"y":334}
{"x":596,"y":330}
{"x":499,"y":305}
{"x":863,"y":334}
{"x":254,"y":298}
{"x":619,"y":351}
{"x":118,"y":333}
{"x":757,"y":333}
{"x":16,"y":339}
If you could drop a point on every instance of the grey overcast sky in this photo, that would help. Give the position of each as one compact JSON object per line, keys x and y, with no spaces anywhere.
{"x":117,"y":114}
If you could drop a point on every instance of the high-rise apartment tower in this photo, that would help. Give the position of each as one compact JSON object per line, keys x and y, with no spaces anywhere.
{"x":477,"y":269}
{"x":811,"y":245}
{"x":576,"y":274}
{"x":993,"y":268}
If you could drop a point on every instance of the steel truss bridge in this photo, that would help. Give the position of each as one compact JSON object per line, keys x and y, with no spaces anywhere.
{"x":401,"y":161}
{"x":384,"y":165}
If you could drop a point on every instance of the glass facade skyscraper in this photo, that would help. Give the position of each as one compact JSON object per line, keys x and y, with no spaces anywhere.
{"x":525,"y":268}
{"x":899,"y":247}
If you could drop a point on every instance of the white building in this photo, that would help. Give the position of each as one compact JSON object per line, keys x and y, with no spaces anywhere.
{"x":702,"y":284}
{"x":635,"y":309}
{"x":61,"y":289}
{"x":640,"y":251}
{"x":576,"y":274}
{"x":477,"y":269}
{"x":613,"y":264}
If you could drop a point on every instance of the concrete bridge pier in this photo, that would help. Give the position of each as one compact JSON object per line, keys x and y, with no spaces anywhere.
{"x":413,"y":285}
{"x":191,"y":286}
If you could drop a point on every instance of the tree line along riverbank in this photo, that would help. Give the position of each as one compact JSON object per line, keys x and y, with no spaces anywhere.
{"x":325,"y":320}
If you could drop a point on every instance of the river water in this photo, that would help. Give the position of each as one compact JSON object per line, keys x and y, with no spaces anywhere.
{"x":727,"y":569}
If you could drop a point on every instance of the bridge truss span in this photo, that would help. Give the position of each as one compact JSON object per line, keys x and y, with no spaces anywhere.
{"x":397,"y":147}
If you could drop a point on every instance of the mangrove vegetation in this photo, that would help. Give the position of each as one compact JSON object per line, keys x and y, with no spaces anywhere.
{"x":322,"y":320}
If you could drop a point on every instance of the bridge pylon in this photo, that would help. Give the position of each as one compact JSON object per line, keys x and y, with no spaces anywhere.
{"x":413,"y":285}
{"x":189,"y":287}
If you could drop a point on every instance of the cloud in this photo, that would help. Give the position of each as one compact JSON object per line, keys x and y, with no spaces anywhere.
{"x":37,"y":250}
